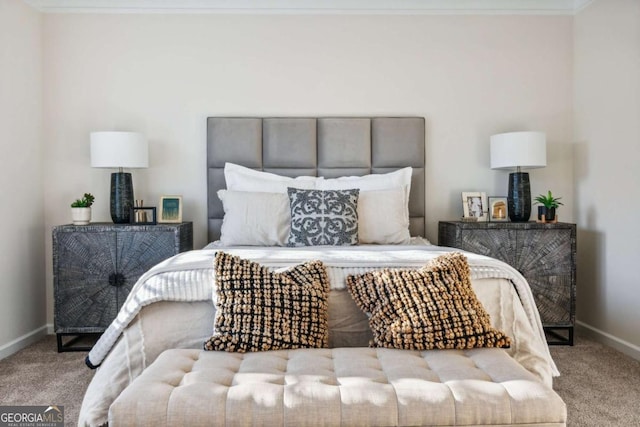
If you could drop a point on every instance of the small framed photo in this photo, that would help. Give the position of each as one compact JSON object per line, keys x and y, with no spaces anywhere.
{"x":498,"y":209}
{"x":170,"y":209}
{"x":143,"y":216}
{"x":474,"y":206}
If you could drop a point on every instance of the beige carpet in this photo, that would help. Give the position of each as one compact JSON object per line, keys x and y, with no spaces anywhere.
{"x":600,"y":386}
{"x":39,"y":375}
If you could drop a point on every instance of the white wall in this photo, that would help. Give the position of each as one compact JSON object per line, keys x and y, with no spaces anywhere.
{"x":469,"y":76}
{"x":607,"y":135}
{"x":22,"y":254}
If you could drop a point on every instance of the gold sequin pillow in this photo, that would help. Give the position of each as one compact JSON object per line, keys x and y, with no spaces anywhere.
{"x":433,"y":307}
{"x":260,"y":310}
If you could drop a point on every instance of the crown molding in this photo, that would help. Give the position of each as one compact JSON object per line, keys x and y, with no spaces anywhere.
{"x":409,"y":7}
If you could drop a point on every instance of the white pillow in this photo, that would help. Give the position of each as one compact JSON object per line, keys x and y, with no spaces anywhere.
{"x":374,"y":182}
{"x":240,"y":178}
{"x":382,"y":181}
{"x":254,"y":218}
{"x":382,"y":217}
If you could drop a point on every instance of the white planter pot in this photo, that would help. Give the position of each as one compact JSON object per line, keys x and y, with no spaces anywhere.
{"x":81,"y":216}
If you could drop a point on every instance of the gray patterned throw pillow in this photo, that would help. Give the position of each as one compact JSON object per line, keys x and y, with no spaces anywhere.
{"x":323,"y":217}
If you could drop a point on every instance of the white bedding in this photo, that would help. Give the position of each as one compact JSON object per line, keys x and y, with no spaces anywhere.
{"x":134,"y":340}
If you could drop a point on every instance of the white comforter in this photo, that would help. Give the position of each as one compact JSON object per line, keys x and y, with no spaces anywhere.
{"x":189,"y":277}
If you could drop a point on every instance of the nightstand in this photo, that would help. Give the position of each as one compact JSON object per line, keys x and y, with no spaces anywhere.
{"x":95,"y":266}
{"x":545,"y":254}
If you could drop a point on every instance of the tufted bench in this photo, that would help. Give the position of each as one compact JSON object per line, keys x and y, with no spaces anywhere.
{"x":340,"y":386}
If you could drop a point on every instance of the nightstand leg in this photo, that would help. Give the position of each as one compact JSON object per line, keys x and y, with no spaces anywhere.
{"x":560,"y":339}
{"x":69,"y":345}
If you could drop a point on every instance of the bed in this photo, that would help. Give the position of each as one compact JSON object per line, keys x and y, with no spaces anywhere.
{"x":153,"y":370}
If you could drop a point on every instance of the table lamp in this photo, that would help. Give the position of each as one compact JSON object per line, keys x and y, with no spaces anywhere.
{"x":120,"y":150}
{"x":519,"y":150}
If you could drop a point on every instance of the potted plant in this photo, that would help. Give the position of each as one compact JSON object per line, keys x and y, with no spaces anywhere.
{"x":548,"y":208}
{"x":81,"y":209}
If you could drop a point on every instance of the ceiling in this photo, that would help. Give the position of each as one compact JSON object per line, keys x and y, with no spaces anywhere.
{"x":486,"y":7}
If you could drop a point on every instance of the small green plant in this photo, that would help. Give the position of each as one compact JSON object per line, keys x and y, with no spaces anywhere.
{"x":549,"y":201}
{"x":85,"y":202}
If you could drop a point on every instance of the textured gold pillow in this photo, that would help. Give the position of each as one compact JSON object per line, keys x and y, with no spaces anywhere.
{"x":260,"y":310}
{"x":427,"y":308}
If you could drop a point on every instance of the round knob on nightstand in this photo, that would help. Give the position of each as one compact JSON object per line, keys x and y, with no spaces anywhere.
{"x":117,"y":279}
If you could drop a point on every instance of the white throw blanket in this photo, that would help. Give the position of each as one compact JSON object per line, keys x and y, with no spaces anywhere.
{"x":190,"y":277}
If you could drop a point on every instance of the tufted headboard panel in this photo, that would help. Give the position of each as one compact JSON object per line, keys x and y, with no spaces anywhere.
{"x":325,"y":146}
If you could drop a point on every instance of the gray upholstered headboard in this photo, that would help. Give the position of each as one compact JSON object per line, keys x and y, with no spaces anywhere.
{"x":327,"y":146}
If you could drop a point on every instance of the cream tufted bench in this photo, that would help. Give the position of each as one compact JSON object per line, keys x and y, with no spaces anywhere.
{"x":339,"y":386}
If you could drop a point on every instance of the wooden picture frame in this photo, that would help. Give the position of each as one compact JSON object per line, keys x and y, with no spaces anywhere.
{"x":170,"y":209}
{"x":474,"y":205}
{"x":498,"y":210}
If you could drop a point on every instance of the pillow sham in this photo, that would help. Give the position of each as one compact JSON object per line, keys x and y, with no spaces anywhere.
{"x":323,"y":217}
{"x":429,"y":308}
{"x":377,"y":181}
{"x":254,"y":218}
{"x":260,"y":310}
{"x":382,"y":217}
{"x":400,"y":179}
{"x":240,"y":178}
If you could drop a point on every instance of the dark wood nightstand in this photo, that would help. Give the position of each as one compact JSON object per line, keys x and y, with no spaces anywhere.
{"x":95,"y":266}
{"x":545,"y":254}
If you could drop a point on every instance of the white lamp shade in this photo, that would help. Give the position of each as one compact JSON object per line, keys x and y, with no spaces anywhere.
{"x":119,"y":150}
{"x":519,"y":149}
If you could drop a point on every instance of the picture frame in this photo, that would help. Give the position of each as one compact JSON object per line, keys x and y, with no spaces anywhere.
{"x":474,"y":205}
{"x":170,"y":209}
{"x":498,"y":209}
{"x":143,"y":216}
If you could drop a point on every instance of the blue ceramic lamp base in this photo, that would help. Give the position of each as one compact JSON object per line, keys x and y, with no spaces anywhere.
{"x":121,"y":197}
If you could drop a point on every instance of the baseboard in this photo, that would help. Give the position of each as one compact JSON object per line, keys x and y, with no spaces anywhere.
{"x":602,"y":337}
{"x":23,"y":341}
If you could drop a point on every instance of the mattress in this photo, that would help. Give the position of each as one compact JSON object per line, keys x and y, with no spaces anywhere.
{"x":340,"y":386}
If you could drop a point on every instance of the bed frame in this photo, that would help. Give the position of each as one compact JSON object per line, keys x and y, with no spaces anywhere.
{"x":316,"y":146}
{"x":156,"y":373}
